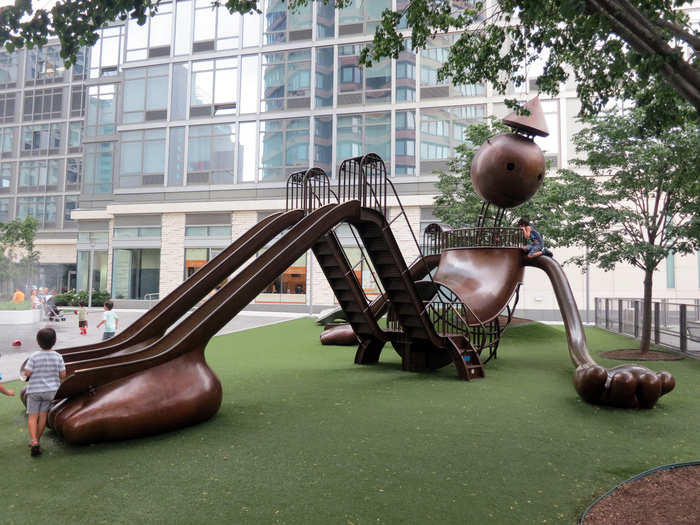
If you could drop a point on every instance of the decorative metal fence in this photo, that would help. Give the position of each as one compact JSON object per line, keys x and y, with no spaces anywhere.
{"x":674,"y":323}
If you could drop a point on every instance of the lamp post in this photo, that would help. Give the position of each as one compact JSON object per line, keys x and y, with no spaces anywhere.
{"x":91,"y":266}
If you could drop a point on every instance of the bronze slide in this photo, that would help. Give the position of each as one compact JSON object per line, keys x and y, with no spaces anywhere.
{"x":167,"y":384}
{"x":625,"y":386}
{"x":153,"y":324}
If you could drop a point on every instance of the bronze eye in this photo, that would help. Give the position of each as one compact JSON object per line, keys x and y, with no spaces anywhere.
{"x":539,"y":176}
{"x":510,"y":166}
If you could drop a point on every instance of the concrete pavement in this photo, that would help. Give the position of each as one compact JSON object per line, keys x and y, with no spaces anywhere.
{"x":68,"y":334}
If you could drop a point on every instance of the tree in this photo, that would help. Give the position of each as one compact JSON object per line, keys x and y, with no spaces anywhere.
{"x":613,"y":47}
{"x":642,"y":202}
{"x":18,"y":257}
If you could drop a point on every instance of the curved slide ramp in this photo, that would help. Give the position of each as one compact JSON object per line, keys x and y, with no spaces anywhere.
{"x":153,"y":323}
{"x":484,"y":279}
{"x":624,"y":386}
{"x":134,"y":394}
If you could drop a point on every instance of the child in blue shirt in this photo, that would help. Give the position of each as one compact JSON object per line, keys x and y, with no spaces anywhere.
{"x":111,"y":321}
{"x":535,"y":246}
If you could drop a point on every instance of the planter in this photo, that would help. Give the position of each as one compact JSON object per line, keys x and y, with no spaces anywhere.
{"x":19,"y":316}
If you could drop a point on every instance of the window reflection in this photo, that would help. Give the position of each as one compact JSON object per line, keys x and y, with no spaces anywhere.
{"x":405,"y":145}
{"x":143,"y":94}
{"x":284,"y":25}
{"x":249,"y":88}
{"x":210,"y":154}
{"x":323,"y":143}
{"x":325,"y":20}
{"x":101,"y":110}
{"x":215,"y":29}
{"x":176,"y":156}
{"x":214,"y":87}
{"x":284,"y":148}
{"x":406,"y":74}
{"x":432,"y":59}
{"x":362,"y":85}
{"x":151,"y":39}
{"x":9,"y":69}
{"x":442,"y":129}
{"x":142,"y":160}
{"x":286,"y":80}
{"x":324,"y":77}
{"x":99,"y":162}
{"x":105,"y":55}
{"x":361,"y":16}
{"x":361,"y":134}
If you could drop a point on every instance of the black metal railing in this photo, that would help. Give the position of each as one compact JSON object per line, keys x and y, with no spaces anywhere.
{"x":437,"y":237}
{"x":309,"y":190}
{"x":675,"y":323}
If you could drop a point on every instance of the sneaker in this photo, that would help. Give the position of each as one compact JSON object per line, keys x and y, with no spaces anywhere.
{"x":35,"y":451}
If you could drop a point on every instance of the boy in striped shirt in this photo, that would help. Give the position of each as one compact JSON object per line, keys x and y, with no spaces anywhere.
{"x":45,"y":370}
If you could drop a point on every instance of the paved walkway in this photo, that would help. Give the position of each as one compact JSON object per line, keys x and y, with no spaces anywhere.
{"x":67,"y":333}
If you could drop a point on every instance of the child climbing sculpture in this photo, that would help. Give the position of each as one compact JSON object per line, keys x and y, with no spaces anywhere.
{"x":535,"y":244}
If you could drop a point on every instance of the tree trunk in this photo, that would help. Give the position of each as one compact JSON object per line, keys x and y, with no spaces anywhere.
{"x":646,"y":316}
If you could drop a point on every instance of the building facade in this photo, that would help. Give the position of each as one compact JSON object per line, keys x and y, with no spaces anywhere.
{"x":166,"y":141}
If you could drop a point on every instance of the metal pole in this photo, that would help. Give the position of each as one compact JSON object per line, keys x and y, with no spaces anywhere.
{"x":683,"y":327}
{"x":588,"y":289}
{"x":91,"y":267}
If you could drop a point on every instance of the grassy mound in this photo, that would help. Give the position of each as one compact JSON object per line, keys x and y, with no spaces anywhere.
{"x":304,"y":436}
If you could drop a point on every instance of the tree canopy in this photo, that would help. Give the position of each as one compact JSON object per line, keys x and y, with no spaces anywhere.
{"x":18,"y":256}
{"x":613,"y":48}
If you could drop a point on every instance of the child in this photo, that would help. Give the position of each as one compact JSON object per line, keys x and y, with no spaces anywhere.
{"x":110,"y":319}
{"x":4,"y":390}
{"x":536,"y":246}
{"x":82,"y":318}
{"x":45,"y":370}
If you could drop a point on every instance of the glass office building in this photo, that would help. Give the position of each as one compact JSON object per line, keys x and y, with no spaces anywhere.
{"x":166,"y":141}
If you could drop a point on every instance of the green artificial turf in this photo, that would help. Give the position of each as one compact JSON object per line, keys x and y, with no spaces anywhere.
{"x":304,"y":436}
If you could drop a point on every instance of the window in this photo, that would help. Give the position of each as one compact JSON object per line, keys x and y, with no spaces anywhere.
{"x":176,"y":156}
{"x":99,"y":165}
{"x":251,"y":29}
{"x":74,"y":171}
{"x":7,"y":107}
{"x":353,"y":89}
{"x":670,"y":271}
{"x":214,"y":29}
{"x":550,"y":144}
{"x":286,"y":80}
{"x":101,"y":110}
{"x":290,"y":287}
{"x":206,"y":232}
{"x":135,"y":273}
{"x":178,"y":107}
{"x":406,"y":74}
{"x":75,"y":137}
{"x":442,"y":129}
{"x":42,"y":139}
{"x":6,"y":171}
{"x":249,"y":93}
{"x":247,"y":141}
{"x":8,"y":137}
{"x":43,"y":209}
{"x":361,"y":16}
{"x":105,"y":55}
{"x":286,"y":25}
{"x":144,"y":232}
{"x":325,"y":20}
{"x":323,"y":143}
{"x":142,"y":161}
{"x":210,"y":154}
{"x":44,"y":66}
{"x":361,"y":134}
{"x":80,"y":67}
{"x":99,"y":271}
{"x":214,"y":87}
{"x":38,"y":176}
{"x":195,"y":258}
{"x":70,"y":204}
{"x":284,"y":148}
{"x":324,"y":77}
{"x":43,"y":104}
{"x":432,"y":59}
{"x":152,"y":39}
{"x":9,"y":69}
{"x":405,"y":146}
{"x":77,"y":101}
{"x":144,"y":90}
{"x":4,"y":210}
